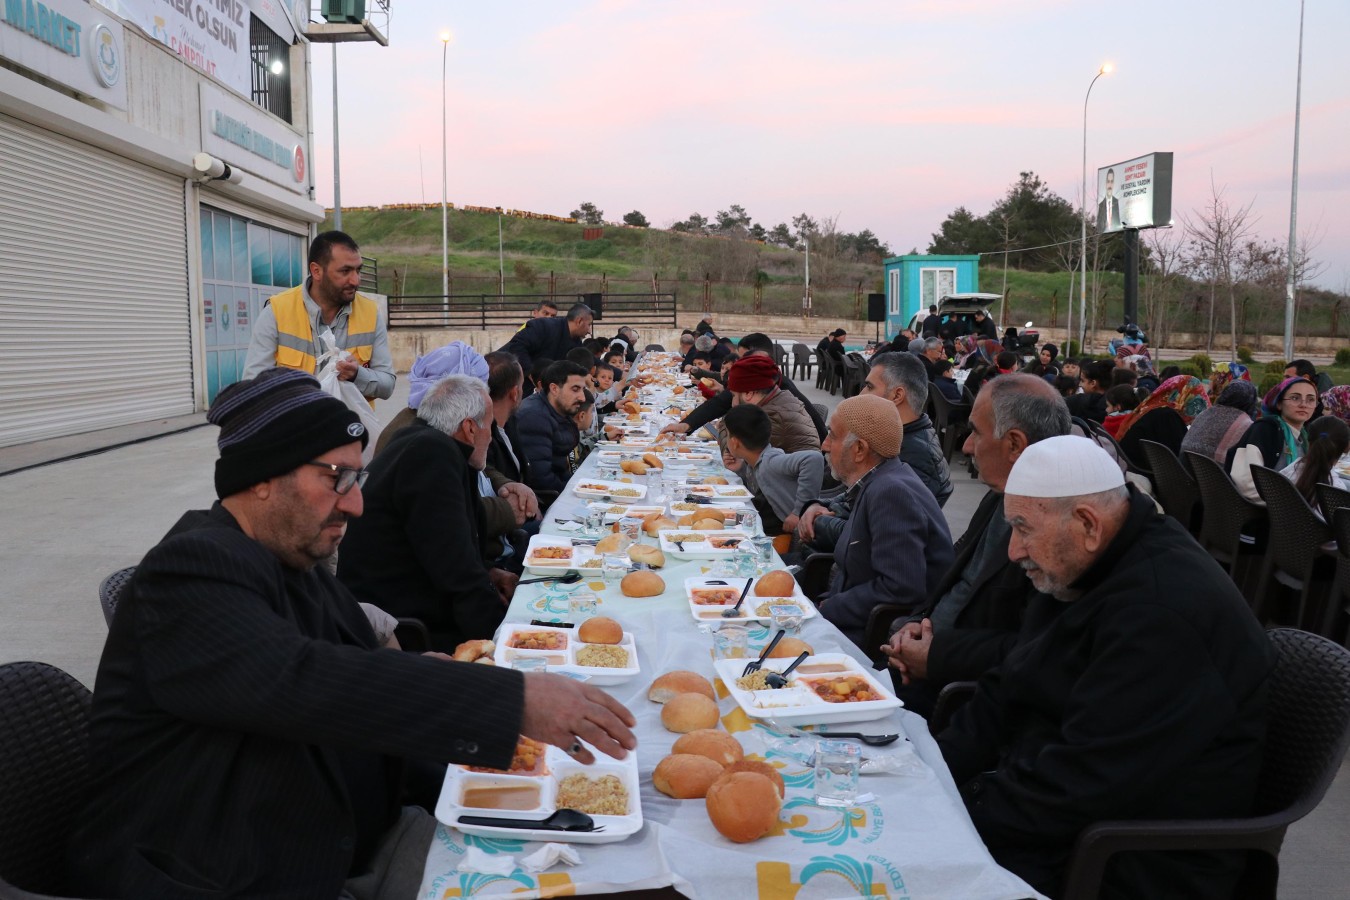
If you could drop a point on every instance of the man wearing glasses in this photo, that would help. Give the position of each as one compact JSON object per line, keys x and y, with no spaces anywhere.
{"x":247,"y":735}
{"x":416,"y":551}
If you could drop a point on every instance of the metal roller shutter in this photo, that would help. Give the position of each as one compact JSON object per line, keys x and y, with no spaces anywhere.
{"x":94,"y":307}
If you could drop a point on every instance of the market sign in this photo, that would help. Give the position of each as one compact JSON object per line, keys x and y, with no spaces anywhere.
{"x":76,"y":45}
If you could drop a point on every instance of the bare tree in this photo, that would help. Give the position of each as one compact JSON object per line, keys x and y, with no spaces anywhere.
{"x":1214,"y":234}
{"x":1160,"y":287}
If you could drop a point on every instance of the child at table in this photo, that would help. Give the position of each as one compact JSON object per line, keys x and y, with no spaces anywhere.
{"x":782,"y":483}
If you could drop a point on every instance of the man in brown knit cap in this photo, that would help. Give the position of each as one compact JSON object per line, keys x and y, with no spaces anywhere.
{"x":896,"y":544}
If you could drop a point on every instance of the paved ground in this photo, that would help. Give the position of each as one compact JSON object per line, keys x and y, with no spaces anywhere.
{"x":64,"y":526}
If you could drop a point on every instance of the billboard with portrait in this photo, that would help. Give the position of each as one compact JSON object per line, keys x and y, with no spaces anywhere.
{"x":1136,"y":193}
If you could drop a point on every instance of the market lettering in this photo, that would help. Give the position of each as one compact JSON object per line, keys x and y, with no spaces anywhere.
{"x":44,"y":24}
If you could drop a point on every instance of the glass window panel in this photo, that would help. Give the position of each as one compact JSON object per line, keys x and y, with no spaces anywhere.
{"x":946,"y":282}
{"x":281,"y":263}
{"x":239,"y":249}
{"x":927,"y":287}
{"x":298,"y":256}
{"x":209,"y":313}
{"x":243,"y":326}
{"x":222,"y":234}
{"x":212,"y":378}
{"x":260,"y":254}
{"x":208,"y":249}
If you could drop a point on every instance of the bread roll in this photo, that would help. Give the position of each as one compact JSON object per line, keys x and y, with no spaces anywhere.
{"x":658,"y":522}
{"x":600,"y":630}
{"x":718,"y":746}
{"x":613,"y":543}
{"x":649,"y":555}
{"x":790,"y":648}
{"x":680,"y":681}
{"x":634,"y":466}
{"x":775,"y":584}
{"x":715,"y":479}
{"x":642,"y":583}
{"x":709,"y":523}
{"x":631,"y":406}
{"x":743,"y":806}
{"x":684,"y":713}
{"x":708,"y":382}
{"x":469,"y":651}
{"x":685,"y":776}
{"x":652,"y":460}
{"x":763,"y":768}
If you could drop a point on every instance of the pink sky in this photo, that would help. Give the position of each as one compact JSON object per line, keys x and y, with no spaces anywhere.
{"x":886,"y":114}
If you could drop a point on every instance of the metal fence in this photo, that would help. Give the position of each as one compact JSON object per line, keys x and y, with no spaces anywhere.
{"x":507,"y":311}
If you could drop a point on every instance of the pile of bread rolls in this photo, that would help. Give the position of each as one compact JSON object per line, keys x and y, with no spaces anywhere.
{"x":743,"y":796}
{"x":476,"y":652}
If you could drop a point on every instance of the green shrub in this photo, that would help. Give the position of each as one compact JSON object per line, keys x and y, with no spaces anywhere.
{"x":1189,"y":368}
{"x":1343,"y":356}
{"x":1070,"y":349}
{"x":1269,"y":380}
{"x":1277,"y":366}
{"x":1245,"y":354}
{"x":1203,"y":363}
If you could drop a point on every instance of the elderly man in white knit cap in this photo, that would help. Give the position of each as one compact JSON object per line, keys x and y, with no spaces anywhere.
{"x":895,"y":546}
{"x":1138,"y":690}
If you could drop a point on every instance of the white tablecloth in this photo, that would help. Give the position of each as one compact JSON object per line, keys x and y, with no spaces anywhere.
{"x":913,"y":840}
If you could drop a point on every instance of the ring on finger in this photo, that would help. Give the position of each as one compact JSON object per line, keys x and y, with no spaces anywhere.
{"x":575,"y":748}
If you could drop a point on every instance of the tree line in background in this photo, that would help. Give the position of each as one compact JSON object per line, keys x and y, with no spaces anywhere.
{"x":734,"y":222}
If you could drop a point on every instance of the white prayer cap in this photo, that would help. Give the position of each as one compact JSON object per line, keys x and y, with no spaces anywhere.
{"x":1063,"y":466}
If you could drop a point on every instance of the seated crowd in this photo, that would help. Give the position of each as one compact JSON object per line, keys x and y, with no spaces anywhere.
{"x":1076,"y":605}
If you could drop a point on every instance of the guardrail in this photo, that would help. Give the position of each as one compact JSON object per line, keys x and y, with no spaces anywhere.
{"x":508,"y":311}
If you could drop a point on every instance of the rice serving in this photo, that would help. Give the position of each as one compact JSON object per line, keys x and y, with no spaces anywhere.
{"x":755,"y":681}
{"x":605,"y":796}
{"x":605,"y":656}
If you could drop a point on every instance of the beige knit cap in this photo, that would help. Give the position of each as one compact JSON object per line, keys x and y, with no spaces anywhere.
{"x":873,"y":419}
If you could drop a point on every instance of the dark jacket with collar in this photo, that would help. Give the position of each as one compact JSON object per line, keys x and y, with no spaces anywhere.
{"x":547,"y":437}
{"x":245,"y":733}
{"x":894,"y":548}
{"x":922,"y":450}
{"x":416,"y":549}
{"x":544,"y":338}
{"x":1145,"y":698}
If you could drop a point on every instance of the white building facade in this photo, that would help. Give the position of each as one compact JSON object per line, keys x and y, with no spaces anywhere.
{"x":129,"y":277}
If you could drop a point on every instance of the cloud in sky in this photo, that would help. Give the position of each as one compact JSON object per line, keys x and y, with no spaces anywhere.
{"x":889,"y":115}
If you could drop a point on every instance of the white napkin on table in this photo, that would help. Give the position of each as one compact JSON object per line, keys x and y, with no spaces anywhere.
{"x":549,"y":855}
{"x":476,"y":860}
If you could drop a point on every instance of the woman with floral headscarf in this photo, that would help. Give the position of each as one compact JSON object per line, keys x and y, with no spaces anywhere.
{"x":1221,"y":427}
{"x":1225,"y":374}
{"x":1163,"y":417}
{"x":1336,"y":402}
{"x":1277,"y":438}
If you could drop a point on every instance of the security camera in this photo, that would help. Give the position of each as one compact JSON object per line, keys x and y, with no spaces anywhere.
{"x":211,"y":169}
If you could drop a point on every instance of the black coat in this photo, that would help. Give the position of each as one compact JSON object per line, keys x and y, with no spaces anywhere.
{"x":546,"y":438}
{"x":1145,"y":698}
{"x":1088,"y":406}
{"x":415,"y":551}
{"x":245,"y":733}
{"x":544,"y":338}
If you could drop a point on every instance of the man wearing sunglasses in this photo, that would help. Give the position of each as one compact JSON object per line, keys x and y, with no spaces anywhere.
{"x":248,"y":734}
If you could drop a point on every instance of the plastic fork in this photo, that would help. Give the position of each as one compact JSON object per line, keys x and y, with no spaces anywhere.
{"x":757,"y":664}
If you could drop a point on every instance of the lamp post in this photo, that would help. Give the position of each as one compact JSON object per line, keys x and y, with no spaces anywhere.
{"x":1290,"y":284}
{"x":445,"y":214}
{"x":1082,"y":262}
{"x":337,"y":164}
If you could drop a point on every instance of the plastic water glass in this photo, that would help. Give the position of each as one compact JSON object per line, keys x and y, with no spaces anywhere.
{"x":837,"y":766}
{"x":631,"y":527}
{"x":730,"y":641}
{"x":748,"y":521}
{"x":595,"y":519}
{"x":763,"y":545}
{"x":616,"y":566}
{"x":582,"y":606}
{"x":746,"y":560}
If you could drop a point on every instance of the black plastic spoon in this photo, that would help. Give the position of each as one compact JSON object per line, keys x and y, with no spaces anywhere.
{"x":562,"y":820}
{"x":571,"y":576}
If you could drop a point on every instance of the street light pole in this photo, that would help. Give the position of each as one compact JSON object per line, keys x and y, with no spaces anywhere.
{"x":1082,"y":262}
{"x":337,"y":167}
{"x":1290,"y":284}
{"x":445,"y":215}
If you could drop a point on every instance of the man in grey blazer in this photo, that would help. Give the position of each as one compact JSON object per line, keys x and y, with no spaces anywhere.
{"x":248,"y":732}
{"x":895,"y":545}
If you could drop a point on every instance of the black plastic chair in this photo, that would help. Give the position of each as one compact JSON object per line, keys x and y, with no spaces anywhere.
{"x":1295,"y":557}
{"x":1339,"y":609}
{"x":44,"y":775}
{"x":823,"y":410}
{"x":951,"y":421}
{"x":802,"y":361}
{"x":814,"y":575}
{"x":853,"y":373}
{"x":1330,"y":499}
{"x":1307,"y":732}
{"x":1173,"y":485}
{"x":412,"y":635}
{"x":831,"y":373}
{"x":878,"y":631}
{"x":110,"y":591}
{"x":952,"y":697}
{"x":780,"y":358}
{"x":1232,"y":528}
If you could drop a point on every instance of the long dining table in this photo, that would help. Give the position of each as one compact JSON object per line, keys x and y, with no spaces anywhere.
{"x":907,"y":835}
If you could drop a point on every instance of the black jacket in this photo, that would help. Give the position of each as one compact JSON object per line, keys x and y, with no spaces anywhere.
{"x":922,"y":450}
{"x":1145,"y":698}
{"x":545,"y":338}
{"x":546,"y":438}
{"x":415,"y":551}
{"x":1088,"y":406}
{"x":245,"y":733}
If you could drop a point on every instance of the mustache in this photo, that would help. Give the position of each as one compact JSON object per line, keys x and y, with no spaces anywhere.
{"x":337,"y":518}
